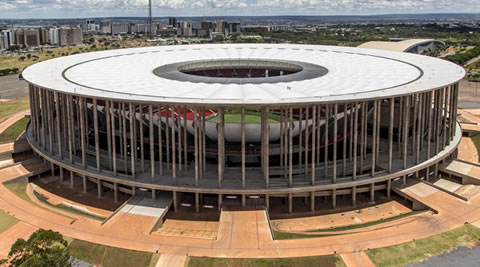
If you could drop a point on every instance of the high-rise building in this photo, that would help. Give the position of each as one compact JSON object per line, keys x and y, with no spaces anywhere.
{"x":6,"y":39}
{"x":172,"y":22}
{"x":234,"y":27}
{"x":27,"y":38}
{"x":66,"y":36}
{"x":120,"y":28}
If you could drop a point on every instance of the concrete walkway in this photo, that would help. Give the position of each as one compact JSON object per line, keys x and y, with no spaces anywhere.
{"x":12,"y":119}
{"x":357,"y":259}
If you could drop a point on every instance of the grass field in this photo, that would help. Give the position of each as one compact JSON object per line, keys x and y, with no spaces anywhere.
{"x":109,"y":256}
{"x":407,"y":253}
{"x":12,"y":107}
{"x":250,"y":117}
{"x":11,"y":133}
{"x":6,"y":221}
{"x":324,"y":261}
{"x":20,"y":189}
{"x":476,"y":141}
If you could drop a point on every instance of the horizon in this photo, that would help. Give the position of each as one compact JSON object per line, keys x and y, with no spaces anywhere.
{"x":246,"y":16}
{"x":59,"y":9}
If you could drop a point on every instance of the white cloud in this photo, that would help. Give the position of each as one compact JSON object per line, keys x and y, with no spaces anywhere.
{"x":88,"y":8}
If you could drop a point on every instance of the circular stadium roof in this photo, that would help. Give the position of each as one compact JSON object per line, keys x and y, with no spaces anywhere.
{"x":328,"y":74}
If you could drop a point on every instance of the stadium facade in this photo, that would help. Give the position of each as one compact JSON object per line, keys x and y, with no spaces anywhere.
{"x":234,"y":122}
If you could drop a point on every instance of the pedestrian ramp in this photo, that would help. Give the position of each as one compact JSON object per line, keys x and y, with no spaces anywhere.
{"x":243,"y":229}
{"x":141,"y":212}
{"x":469,"y":172}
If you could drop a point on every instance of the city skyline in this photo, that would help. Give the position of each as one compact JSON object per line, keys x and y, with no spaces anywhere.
{"x":24,"y":9}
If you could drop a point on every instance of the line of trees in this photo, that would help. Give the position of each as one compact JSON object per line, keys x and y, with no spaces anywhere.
{"x":462,"y":58}
{"x":6,"y":72}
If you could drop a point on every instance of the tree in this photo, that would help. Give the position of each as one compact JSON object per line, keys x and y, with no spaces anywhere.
{"x":43,"y":248}
{"x":22,"y":58}
{"x":29,"y":56}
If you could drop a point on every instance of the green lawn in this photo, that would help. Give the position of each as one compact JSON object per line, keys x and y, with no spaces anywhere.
{"x":476,"y":141}
{"x":109,"y":256}
{"x":250,"y":117}
{"x":44,"y":200}
{"x":20,"y":189}
{"x":14,"y":106}
{"x":323,"y":261}
{"x":6,"y":221}
{"x":11,"y":133}
{"x":407,"y":253}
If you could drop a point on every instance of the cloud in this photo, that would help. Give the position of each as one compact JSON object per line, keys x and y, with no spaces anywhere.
{"x":90,"y":8}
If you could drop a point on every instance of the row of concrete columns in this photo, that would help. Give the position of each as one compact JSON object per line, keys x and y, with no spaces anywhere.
{"x":423,"y":121}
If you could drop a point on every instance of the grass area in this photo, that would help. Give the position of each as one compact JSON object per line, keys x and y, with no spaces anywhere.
{"x":278,"y":235}
{"x":11,"y":133}
{"x":154,"y":259}
{"x":250,"y":117}
{"x":20,"y":189}
{"x":476,"y":141}
{"x":109,"y":256}
{"x":324,"y":261}
{"x":14,"y":106}
{"x":62,"y":207}
{"x":410,"y":252}
{"x":356,"y":226}
{"x":6,"y":221}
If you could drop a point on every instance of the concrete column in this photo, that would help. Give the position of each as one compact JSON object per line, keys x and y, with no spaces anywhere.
{"x":312,"y":201}
{"x":95,"y":127}
{"x":167,"y":135}
{"x":174,"y":147}
{"x":151,"y":141}
{"x":354,"y":196}
{"x":134,"y":191}
{"x":406,"y":126}
{"x":84,"y":182}
{"x":267,"y":149}
{"x":362,"y":134}
{"x":314,"y":121}
{"x":372,"y":192}
{"x":99,"y":188}
{"x":334,"y":198}
{"x":300,"y":138}
{"x":82,"y":132}
{"x":185,"y":138}
{"x":154,"y":194}
{"x":335,"y":139}
{"x":196,"y":146}
{"x":113,"y":138}
{"x":344,"y":164}
{"x":50,"y":121}
{"x":115,"y":192}
{"x":244,"y":200}
{"x":325,"y":149}
{"x":133,"y":148}
{"x":267,"y":201}
{"x":389,"y":188}
{"x":243,"y":147}
{"x":160,"y":141}
{"x":220,"y":202}
{"x":429,"y":131}
{"x":374,"y":137}
{"x":142,"y":143}
{"x":290,"y":147}
{"x":307,"y":111}
{"x":419,"y":129}
{"x":106,"y":110}
{"x":59,"y":138}
{"x":175,"y":201}
{"x":355,"y":140}
{"x":221,"y":145}
{"x":290,"y":203}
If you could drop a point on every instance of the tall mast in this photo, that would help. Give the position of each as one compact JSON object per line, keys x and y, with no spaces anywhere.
{"x":150,"y":16}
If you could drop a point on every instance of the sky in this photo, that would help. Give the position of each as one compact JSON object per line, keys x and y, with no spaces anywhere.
{"x":133,"y":8}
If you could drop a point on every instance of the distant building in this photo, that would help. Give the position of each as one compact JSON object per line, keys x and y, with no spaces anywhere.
{"x":27,"y":38}
{"x":66,"y":36}
{"x":105,"y":27}
{"x":416,"y":46}
{"x":184,"y":29}
{"x":281,"y":28}
{"x":234,"y":27}
{"x":120,"y":28}
{"x":172,"y":22}
{"x":6,"y":39}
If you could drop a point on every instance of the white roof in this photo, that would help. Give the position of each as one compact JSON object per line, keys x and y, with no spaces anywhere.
{"x":353,"y":74}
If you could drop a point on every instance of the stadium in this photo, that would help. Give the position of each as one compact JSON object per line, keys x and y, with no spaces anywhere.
{"x":284,"y":126}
